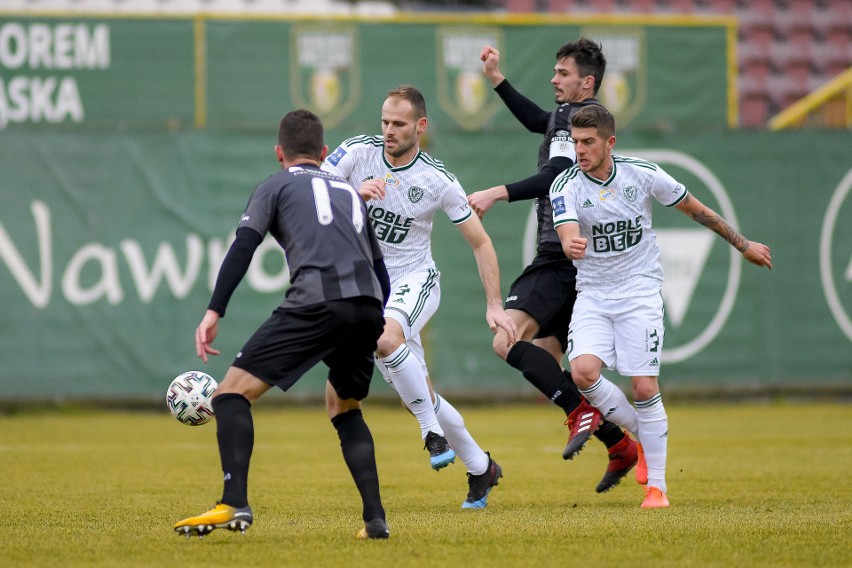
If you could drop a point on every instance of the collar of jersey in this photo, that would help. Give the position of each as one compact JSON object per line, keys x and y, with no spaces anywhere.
{"x":599,"y":182}
{"x":400,"y":168}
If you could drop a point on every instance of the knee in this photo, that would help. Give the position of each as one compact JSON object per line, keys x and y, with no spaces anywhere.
{"x":500,"y":344}
{"x":387,"y":344}
{"x":645,"y":387}
{"x":585,"y":372}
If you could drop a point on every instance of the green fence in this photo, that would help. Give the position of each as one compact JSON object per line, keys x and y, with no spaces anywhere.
{"x":122,"y":188}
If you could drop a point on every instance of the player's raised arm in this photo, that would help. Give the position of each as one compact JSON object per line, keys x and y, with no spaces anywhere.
{"x":490,"y":58}
{"x":754,"y":252}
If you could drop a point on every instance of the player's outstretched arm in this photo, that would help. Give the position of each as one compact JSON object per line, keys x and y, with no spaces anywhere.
{"x":754,"y":252}
{"x":205,"y":334}
{"x":489,"y":272}
{"x":482,"y":201}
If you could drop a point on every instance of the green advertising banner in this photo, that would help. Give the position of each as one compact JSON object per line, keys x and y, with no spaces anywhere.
{"x":111,"y":73}
{"x":109,"y":245}
{"x":96,"y":73}
{"x":128,"y":149}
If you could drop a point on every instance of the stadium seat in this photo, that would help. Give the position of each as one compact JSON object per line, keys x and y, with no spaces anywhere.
{"x":562,"y":5}
{"x":754,"y":110}
{"x":681,"y":6}
{"x":786,"y":89}
{"x":714,"y":7}
{"x":602,"y":6}
{"x":797,"y":49}
{"x":641,"y":6}
{"x":521,"y":5}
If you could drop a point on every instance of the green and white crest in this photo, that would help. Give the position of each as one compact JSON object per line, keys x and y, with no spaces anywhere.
{"x":324,"y":70}
{"x":463,"y":91}
{"x":415,"y":193}
{"x":624,"y":87}
{"x":630,"y":193}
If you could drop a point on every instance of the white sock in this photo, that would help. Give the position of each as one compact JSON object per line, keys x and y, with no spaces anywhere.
{"x":612,"y":403}
{"x":409,"y":380}
{"x":459,"y":438}
{"x":654,"y":435}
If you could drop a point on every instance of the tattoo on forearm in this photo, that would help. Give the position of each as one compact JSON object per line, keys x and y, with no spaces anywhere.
{"x":720,"y":227}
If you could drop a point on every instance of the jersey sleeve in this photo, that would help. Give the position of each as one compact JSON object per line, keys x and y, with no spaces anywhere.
{"x":260,"y":210}
{"x":454,"y":203}
{"x":562,"y":146}
{"x":562,"y":201}
{"x":667,"y":190}
{"x":532,"y":116}
{"x":341,"y":161}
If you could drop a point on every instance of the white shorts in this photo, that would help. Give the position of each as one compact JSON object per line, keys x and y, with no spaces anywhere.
{"x":413,"y":301}
{"x":626,"y":334}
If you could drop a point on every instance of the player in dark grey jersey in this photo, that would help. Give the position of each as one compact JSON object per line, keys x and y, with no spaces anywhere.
{"x":541,"y":299}
{"x":332,"y":313}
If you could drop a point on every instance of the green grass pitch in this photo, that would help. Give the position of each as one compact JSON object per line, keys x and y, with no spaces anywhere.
{"x":750,"y":485}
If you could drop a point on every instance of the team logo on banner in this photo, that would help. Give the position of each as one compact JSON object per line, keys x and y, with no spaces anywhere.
{"x":463,"y":91}
{"x":324,"y":70}
{"x":624,"y":86}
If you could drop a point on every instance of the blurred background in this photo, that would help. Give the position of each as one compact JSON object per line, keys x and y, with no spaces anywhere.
{"x":133,"y":131}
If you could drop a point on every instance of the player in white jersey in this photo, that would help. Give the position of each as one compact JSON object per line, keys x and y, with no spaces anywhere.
{"x":404,"y":187}
{"x":602,"y":214}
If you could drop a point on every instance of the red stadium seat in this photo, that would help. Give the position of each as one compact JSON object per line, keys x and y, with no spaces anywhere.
{"x":643,"y":6}
{"x":602,"y":6}
{"x":754,"y":110}
{"x":720,"y":7}
{"x":562,"y":5}
{"x":680,"y":6}
{"x":521,"y":5}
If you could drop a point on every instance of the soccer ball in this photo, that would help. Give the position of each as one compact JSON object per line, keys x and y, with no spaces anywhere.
{"x":189,"y":397}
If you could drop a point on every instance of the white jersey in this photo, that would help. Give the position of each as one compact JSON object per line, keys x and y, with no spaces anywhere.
{"x":622,"y":258}
{"x":413,"y":193}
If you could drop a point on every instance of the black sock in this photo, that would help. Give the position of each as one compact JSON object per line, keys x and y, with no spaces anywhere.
{"x":235,"y":433}
{"x":360,"y":456}
{"x":609,"y":434}
{"x":544,"y":373}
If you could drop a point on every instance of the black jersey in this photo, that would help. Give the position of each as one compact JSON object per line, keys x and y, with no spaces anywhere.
{"x":555,"y":155}
{"x":321,"y":222}
{"x":558,"y":132}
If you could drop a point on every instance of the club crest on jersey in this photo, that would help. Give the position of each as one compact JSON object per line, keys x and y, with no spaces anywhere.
{"x":415,"y":193}
{"x":324,"y":73}
{"x":624,"y":90}
{"x":630,"y":193}
{"x":606,"y":194}
{"x":463,"y":92}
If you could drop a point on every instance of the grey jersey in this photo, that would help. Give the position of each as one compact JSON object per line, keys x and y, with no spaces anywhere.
{"x":320,"y":221}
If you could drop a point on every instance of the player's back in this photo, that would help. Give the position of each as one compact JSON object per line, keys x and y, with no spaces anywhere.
{"x":320,"y":221}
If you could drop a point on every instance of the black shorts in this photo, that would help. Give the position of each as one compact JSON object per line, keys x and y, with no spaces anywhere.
{"x":546,"y":290}
{"x":341,"y":333}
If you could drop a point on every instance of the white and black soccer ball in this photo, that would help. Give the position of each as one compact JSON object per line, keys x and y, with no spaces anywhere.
{"x":189,"y":398}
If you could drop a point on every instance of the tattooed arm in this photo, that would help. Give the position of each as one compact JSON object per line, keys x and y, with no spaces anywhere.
{"x":754,"y":252}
